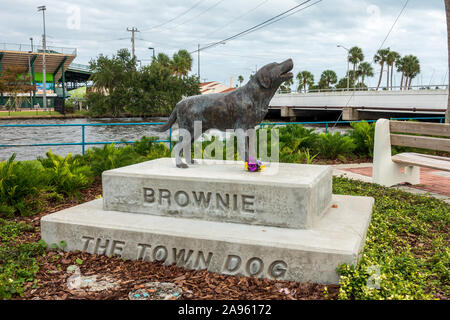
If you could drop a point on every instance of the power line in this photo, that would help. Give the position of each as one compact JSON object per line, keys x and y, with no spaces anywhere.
{"x":176,"y":17}
{"x":198,"y":15}
{"x":235,"y":19}
{"x":286,"y":16}
{"x":254,"y":27}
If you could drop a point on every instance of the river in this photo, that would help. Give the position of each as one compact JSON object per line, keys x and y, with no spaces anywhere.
{"x":71,"y":134}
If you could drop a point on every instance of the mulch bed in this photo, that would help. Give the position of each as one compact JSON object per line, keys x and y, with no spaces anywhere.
{"x":131,"y":275}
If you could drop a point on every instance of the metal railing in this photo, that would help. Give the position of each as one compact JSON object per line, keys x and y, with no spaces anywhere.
{"x":36,"y":48}
{"x":369,"y":89}
{"x":326,"y":123}
{"x":84,"y":143}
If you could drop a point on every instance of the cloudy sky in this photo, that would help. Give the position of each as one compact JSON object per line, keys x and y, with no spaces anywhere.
{"x":309,"y":37}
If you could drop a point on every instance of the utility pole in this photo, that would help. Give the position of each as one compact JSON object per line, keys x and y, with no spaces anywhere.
{"x":44,"y":83}
{"x":198,"y":55}
{"x":132,"y":30}
{"x":348,"y":64}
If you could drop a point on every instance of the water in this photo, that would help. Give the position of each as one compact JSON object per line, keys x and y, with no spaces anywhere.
{"x":35,"y":135}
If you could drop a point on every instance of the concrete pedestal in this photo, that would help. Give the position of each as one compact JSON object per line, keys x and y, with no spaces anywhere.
{"x":283,"y":223}
{"x":228,"y":248}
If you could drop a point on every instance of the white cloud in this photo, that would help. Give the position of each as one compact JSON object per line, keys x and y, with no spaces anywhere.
{"x":309,"y":37}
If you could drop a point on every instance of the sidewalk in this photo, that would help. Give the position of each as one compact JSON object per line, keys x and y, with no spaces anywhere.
{"x":433,"y":182}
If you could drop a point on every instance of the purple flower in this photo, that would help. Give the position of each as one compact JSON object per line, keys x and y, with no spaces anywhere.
{"x":252,"y":167}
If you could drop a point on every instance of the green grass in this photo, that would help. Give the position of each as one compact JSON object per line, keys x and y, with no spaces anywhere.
{"x":28,"y":113}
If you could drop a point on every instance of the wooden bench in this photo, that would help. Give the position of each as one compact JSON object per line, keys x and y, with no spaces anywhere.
{"x":390,"y":170}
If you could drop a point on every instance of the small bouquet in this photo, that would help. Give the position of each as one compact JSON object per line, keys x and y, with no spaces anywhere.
{"x":254,"y":166}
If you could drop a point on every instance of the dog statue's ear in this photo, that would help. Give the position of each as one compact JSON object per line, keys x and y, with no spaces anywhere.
{"x":264,"y":78}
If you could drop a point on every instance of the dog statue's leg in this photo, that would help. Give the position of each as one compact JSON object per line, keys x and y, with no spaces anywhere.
{"x":178,"y":161}
{"x":247,"y":150}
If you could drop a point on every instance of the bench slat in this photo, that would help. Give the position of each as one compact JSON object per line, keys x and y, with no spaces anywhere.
{"x":416,"y":159}
{"x":424,"y":128}
{"x":431,"y":143}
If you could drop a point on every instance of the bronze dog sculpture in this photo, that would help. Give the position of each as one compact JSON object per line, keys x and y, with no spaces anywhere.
{"x":243,"y":108}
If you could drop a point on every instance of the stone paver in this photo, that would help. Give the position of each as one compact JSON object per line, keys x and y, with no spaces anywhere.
{"x":435,"y":182}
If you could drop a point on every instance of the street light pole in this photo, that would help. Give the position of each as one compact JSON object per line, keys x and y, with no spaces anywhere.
{"x":348,"y":64}
{"x":153,"y":51}
{"x":44,"y":83}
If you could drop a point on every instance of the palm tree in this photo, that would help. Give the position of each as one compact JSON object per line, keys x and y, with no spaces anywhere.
{"x":365,"y":70}
{"x":181,"y":63}
{"x":400,"y":64}
{"x":381,"y":58}
{"x":355,"y":56}
{"x":411,"y":66}
{"x":447,"y":14}
{"x":328,"y":77}
{"x":240,"y":79}
{"x":286,"y":86}
{"x":390,"y":60}
{"x":305,"y":78}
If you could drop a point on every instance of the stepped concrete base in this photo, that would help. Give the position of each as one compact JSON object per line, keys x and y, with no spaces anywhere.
{"x":227,"y":248}
{"x":284,"y":195}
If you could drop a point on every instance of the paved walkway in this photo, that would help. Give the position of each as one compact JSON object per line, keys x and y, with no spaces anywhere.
{"x":433,"y":182}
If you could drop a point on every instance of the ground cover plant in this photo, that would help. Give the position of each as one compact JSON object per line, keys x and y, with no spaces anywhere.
{"x":406,"y":254}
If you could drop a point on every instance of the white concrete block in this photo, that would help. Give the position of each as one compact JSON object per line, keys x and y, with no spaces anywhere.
{"x":226,"y":248}
{"x":285,"y":195}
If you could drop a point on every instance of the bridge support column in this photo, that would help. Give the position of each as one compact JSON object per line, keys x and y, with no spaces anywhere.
{"x":286,"y":112}
{"x":350,"y":114}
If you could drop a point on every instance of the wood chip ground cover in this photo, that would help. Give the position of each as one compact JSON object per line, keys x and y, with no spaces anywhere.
{"x":408,"y":239}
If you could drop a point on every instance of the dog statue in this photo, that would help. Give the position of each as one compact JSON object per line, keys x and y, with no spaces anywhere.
{"x":243,"y":108}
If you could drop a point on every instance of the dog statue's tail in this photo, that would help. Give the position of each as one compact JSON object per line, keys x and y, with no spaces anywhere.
{"x":166,"y":126}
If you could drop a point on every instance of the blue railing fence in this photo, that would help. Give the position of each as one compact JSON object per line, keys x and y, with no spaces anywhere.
{"x":85,"y":143}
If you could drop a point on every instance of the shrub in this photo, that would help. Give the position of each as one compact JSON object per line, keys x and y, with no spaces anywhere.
{"x":68,"y":175}
{"x":332,"y":146}
{"x":296,"y":137}
{"x":20,"y":185}
{"x":110,"y":157}
{"x":363,"y":135}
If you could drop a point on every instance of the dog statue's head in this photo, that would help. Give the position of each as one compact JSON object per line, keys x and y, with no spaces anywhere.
{"x":272,"y":75}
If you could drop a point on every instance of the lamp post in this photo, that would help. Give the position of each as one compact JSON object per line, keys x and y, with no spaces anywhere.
{"x":44,"y":83}
{"x":153,"y":51}
{"x":348,"y":64}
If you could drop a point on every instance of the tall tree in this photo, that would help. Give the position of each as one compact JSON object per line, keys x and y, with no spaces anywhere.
{"x":365,"y":70}
{"x":181,"y":63}
{"x":240,"y":79}
{"x":15,"y":81}
{"x":412,"y":69}
{"x":390,"y":60}
{"x":305,"y":78}
{"x":447,"y":14}
{"x":286,"y":86}
{"x":328,"y":77}
{"x":381,"y":57}
{"x":355,"y":56}
{"x":400,"y":64}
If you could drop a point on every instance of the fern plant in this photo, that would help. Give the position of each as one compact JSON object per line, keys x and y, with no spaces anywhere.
{"x":363,"y":134}
{"x":68,"y":175}
{"x":335,"y":145}
{"x":20,"y":185}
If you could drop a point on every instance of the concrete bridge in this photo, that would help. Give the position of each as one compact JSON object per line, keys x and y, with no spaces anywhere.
{"x":357,"y":105}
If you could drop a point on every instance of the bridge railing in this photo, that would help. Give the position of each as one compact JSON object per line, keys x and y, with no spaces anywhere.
{"x":36,"y":48}
{"x":83,"y":143}
{"x":380,"y":89}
